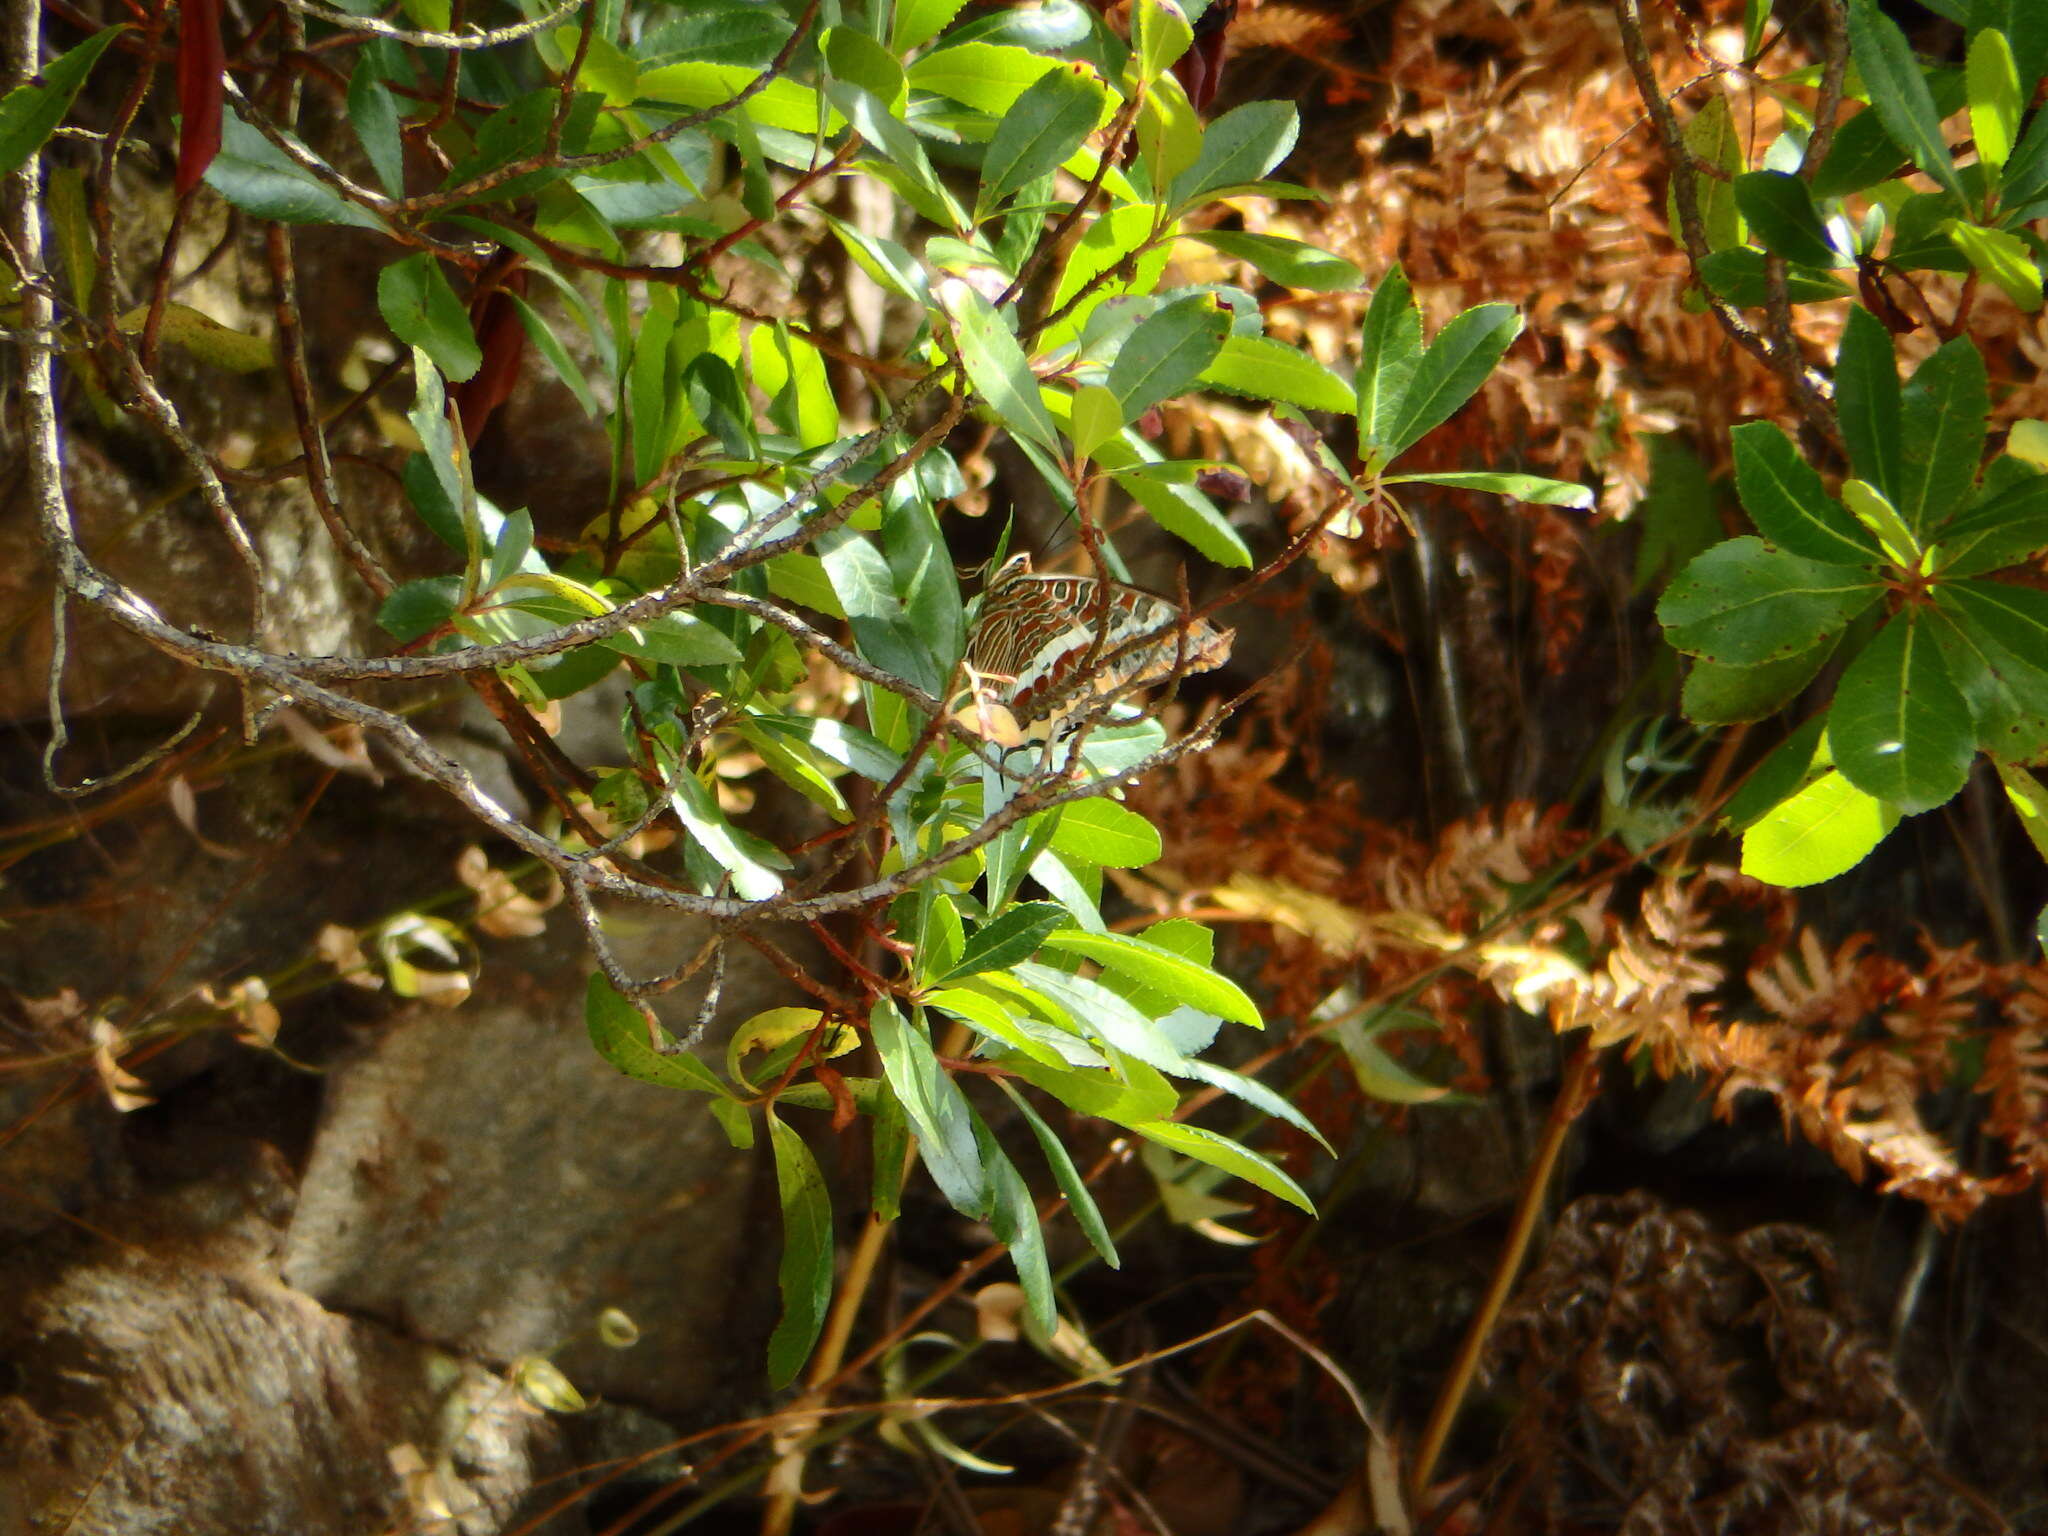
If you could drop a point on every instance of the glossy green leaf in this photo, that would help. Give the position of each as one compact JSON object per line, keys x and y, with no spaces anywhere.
{"x":1095,"y":417}
{"x":1898,"y":91}
{"x":1738,"y":276}
{"x":740,"y":854}
{"x":1160,"y":33}
{"x":1744,"y":603}
{"x":619,"y":1030}
{"x":1900,"y":729}
{"x":1785,"y":498}
{"x":1292,"y":263}
{"x":1181,"y":979}
{"x":1205,"y":1146}
{"x":2029,"y":799}
{"x":2001,"y":530}
{"x":2007,"y":693}
{"x":2026,"y":172}
{"x":994,"y":1019}
{"x":804,"y":1275}
{"x":1714,"y":139}
{"x":1378,"y":1073}
{"x":988,"y":77}
{"x":1082,"y":1203}
{"x":1942,"y":425}
{"x":1166,"y":353}
{"x":1715,"y":694}
{"x":1013,"y":1217}
{"x":1994,"y":92}
{"x":933,"y":1104}
{"x":1265,"y":369}
{"x":1824,"y":830}
{"x":1139,"y":1095}
{"x":1240,"y":146}
{"x":851,"y":55}
{"x":1390,"y":349}
{"x":373,"y":113}
{"x":1867,"y":400}
{"x":1015,"y":935}
{"x":1169,"y":131}
{"x":782,"y":103}
{"x":996,"y":364}
{"x":1783,"y":218}
{"x":259,"y":179}
{"x":919,"y":21}
{"x":1451,"y":371}
{"x":1789,"y":767}
{"x":1539,"y":490}
{"x":422,"y":310}
{"x":1044,"y":126}
{"x":1107,"y":834}
{"x":29,"y":114}
{"x":2002,"y":258}
{"x":1105,"y":1016}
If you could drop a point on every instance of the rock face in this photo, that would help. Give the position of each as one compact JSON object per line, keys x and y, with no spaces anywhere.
{"x":293,"y":1308}
{"x":482,"y":1179}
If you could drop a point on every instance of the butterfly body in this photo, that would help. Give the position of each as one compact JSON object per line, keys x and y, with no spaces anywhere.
{"x":1055,"y":643}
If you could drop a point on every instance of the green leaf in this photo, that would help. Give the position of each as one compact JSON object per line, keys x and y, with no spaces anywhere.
{"x":1791,"y":765}
{"x":2026,"y":173}
{"x":2001,"y":530}
{"x":805,"y":1273}
{"x":996,"y":364}
{"x":619,"y":1030}
{"x":1040,"y":132}
{"x":1867,"y":400}
{"x":1240,"y":146}
{"x":919,"y":21}
{"x":423,"y":311}
{"x":29,"y":114}
{"x":1450,"y":372}
{"x":1823,"y":831}
{"x":1379,"y":1074}
{"x":1898,"y":91}
{"x":1785,"y":498}
{"x":1537,"y":489}
{"x":1784,"y":219}
{"x":1181,"y":979}
{"x":782,"y":103}
{"x":1713,"y":137}
{"x":550,"y":347}
{"x":1292,"y":263}
{"x":1390,"y":350}
{"x":1941,"y":443}
{"x":1206,"y":1146}
{"x":1715,"y":694}
{"x":1086,"y":1215}
{"x":1004,"y":940}
{"x":373,"y":113}
{"x":1013,"y":1217}
{"x":679,"y":639}
{"x":1738,"y":276}
{"x":2030,"y":799}
{"x":204,"y":337}
{"x":853,"y":56}
{"x":1744,"y":603}
{"x":1167,"y":352}
{"x":934,"y":1106}
{"x":2007,"y":694}
{"x":1161,"y":34}
{"x":740,"y":854}
{"x":1169,"y":132}
{"x":866,"y":588}
{"x":993,"y":1019}
{"x":988,"y":77}
{"x":1095,"y":417}
{"x":1104,"y":1015}
{"x":1993,"y":80}
{"x":257,"y":178}
{"x":2003,"y":258}
{"x":1900,"y":729}
{"x":1106,"y":834}
{"x":1266,"y":369}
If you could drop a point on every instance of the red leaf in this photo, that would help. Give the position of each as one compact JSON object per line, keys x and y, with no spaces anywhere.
{"x":201,"y":59}
{"x":503,"y":340}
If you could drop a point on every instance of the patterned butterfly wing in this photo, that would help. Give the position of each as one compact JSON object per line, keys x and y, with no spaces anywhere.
{"x":1036,"y":635}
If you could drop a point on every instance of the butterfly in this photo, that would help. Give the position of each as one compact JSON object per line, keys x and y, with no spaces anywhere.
{"x":1036,"y":635}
